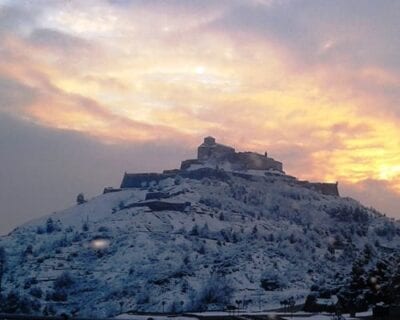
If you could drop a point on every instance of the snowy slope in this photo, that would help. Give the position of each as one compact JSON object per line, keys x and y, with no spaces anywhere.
{"x":239,"y":234}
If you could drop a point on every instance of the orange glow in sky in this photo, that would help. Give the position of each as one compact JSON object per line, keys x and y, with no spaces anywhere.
{"x":127,"y":72}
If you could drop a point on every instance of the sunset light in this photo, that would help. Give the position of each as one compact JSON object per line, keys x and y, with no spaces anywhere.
{"x":98,"y":68}
{"x":199,"y":159}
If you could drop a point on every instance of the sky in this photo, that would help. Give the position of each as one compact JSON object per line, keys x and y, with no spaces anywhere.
{"x":91,"y":89}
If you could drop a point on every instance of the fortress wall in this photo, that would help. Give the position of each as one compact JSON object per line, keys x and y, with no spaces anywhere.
{"x":217,"y":151}
{"x":255,"y":161}
{"x":330,"y":189}
{"x":273,"y":164}
{"x":138,"y":180}
{"x":203,"y":152}
{"x":187,"y":163}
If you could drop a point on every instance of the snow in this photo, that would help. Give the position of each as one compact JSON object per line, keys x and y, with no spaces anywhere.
{"x":238,"y":231}
{"x":331,"y":301}
{"x":313,"y":317}
{"x":126,"y":316}
{"x":325,"y":316}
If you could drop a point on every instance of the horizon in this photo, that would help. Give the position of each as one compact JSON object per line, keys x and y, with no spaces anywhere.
{"x":91,"y":90}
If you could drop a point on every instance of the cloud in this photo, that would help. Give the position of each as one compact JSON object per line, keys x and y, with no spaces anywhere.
{"x":56,"y":40}
{"x":313,"y":83}
{"x":17,"y":19}
{"x":374,"y":193}
{"x":14,"y":95}
{"x":43,"y":169}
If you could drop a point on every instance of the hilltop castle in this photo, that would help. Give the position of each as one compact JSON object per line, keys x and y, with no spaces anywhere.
{"x":214,"y":154}
{"x":216,"y":158}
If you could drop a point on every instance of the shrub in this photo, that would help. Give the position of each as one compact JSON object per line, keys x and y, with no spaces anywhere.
{"x":211,"y":202}
{"x":29,"y":282}
{"x":49,"y":310}
{"x":59,"y":295}
{"x":216,"y":291}
{"x":178,"y":180}
{"x":202,"y":250}
{"x":194,"y":231}
{"x":85,"y":227}
{"x":14,"y":303}
{"x":310,"y":304}
{"x":143,"y":298}
{"x":65,"y":280}
{"x":28,"y":250}
{"x":103,"y":229}
{"x":80,"y":199}
{"x":271,"y":280}
{"x":40,"y":230}
{"x":50,"y":226}
{"x":36,"y":292}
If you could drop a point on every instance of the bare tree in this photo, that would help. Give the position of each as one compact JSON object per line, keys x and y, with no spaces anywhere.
{"x":80,"y":199}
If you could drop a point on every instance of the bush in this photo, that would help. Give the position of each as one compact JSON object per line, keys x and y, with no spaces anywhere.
{"x":80,"y":199}
{"x":211,"y":202}
{"x":271,"y":280}
{"x":216,"y":291}
{"x":194,"y":231}
{"x":49,"y":310}
{"x":36,"y":292}
{"x":65,"y":280}
{"x":28,"y":250}
{"x":50,"y":226}
{"x":59,"y":295}
{"x":202,"y":250}
{"x":85,"y":227}
{"x":103,"y":229}
{"x":311,"y":303}
{"x":14,"y":303}
{"x":29,"y":282}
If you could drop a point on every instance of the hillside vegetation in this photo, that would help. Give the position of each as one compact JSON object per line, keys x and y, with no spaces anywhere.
{"x":223,"y":239}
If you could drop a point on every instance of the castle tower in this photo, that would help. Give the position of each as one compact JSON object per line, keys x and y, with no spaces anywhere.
{"x":204,"y":151}
{"x":211,"y":149}
{"x":209,"y":141}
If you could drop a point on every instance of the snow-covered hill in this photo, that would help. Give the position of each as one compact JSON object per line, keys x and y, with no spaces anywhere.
{"x":206,"y":242}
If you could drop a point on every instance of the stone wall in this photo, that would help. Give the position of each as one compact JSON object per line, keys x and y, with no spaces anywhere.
{"x":215,"y":155}
{"x":216,"y":151}
{"x":138,"y":180}
{"x":330,"y":189}
{"x":187,"y":163}
{"x":255,"y":161}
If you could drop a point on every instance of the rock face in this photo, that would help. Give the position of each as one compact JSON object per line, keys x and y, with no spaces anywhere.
{"x":202,"y":240}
